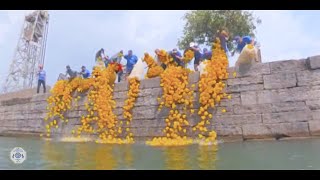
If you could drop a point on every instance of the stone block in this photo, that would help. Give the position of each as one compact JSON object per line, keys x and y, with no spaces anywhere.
{"x":150,"y":83}
{"x":76,"y":114}
{"x":283,"y":117}
{"x":121,"y":86}
{"x":280,"y":80}
{"x":249,"y":98}
{"x":286,"y":95}
{"x":120,"y":95}
{"x":288,"y":65}
{"x":289,"y":106}
{"x":218,"y":110}
{"x":256,"y":131}
{"x":313,"y":104}
{"x":146,"y":101}
{"x":241,"y":88}
{"x":144,"y":112}
{"x":39,"y":106}
{"x":308,"y":78}
{"x":230,"y":70}
{"x":256,"y":69}
{"x":316,"y":114}
{"x":120,"y":104}
{"x":194,"y":77}
{"x":8,"y":123}
{"x":157,"y":123}
{"x":7,"y":116}
{"x":118,"y":111}
{"x":314,"y":127}
{"x":252,"y":109}
{"x":151,"y":92}
{"x":245,"y":80}
{"x":147,"y":131}
{"x":227,"y":130}
{"x":230,"y":102}
{"x":313,"y":62}
{"x":237,"y":119}
{"x":163,"y":113}
{"x":40,"y":97}
{"x":279,"y":130}
{"x":291,"y":94}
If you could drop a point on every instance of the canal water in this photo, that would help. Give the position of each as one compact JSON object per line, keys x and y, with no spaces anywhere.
{"x":269,"y":155}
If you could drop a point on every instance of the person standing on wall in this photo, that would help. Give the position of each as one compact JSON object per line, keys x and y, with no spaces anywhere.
{"x":177,"y":57}
{"x":41,"y":79}
{"x":85,"y":72}
{"x":117,"y":58}
{"x":72,"y":74}
{"x":157,"y":54}
{"x":206,"y":54}
{"x":197,"y":55}
{"x":241,"y":42}
{"x":223,"y":36}
{"x":131,"y":61}
{"x":100,"y":55}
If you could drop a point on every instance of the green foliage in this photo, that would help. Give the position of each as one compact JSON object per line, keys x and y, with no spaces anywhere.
{"x":201,"y":25}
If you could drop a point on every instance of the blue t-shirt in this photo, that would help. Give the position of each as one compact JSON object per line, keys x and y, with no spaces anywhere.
{"x":197,"y":57}
{"x":207,"y":55}
{"x":42,"y":75}
{"x":86,"y":74}
{"x":245,"y":40}
{"x":131,"y":60}
{"x":178,"y":61}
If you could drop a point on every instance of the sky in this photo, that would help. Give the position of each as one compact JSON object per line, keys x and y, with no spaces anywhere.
{"x":75,"y":36}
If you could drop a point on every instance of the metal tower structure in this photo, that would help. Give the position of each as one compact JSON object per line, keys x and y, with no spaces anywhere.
{"x":29,"y":53}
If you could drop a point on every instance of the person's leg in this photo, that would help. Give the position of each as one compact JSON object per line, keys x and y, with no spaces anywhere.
{"x":44,"y":86}
{"x":38,"y":88}
{"x":128,"y":73}
{"x":120,"y":73}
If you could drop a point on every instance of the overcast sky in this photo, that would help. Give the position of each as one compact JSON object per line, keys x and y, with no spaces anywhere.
{"x":75,"y":36}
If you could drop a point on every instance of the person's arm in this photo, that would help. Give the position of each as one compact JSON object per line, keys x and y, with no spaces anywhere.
{"x":102,"y":56}
{"x":179,"y":56}
{"x":135,"y":59}
{"x":195,"y":48}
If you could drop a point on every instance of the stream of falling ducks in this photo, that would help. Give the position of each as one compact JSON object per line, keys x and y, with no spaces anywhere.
{"x":174,"y":83}
{"x":211,"y":87}
{"x":100,"y":118}
{"x":133,"y":93}
{"x":154,"y":69}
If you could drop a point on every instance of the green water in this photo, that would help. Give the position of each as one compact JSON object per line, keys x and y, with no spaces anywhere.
{"x":297,"y":154}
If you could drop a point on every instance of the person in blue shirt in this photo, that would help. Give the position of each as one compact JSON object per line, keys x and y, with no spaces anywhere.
{"x":41,"y":79}
{"x":85,"y":72}
{"x":197,"y":55}
{"x":177,"y":57}
{"x":131,"y":61}
{"x":206,"y":54}
{"x":241,"y":43}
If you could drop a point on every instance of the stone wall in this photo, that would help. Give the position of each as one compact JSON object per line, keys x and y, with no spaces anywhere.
{"x":273,"y":100}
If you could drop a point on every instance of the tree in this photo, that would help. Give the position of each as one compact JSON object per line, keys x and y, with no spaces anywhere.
{"x":201,"y":25}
